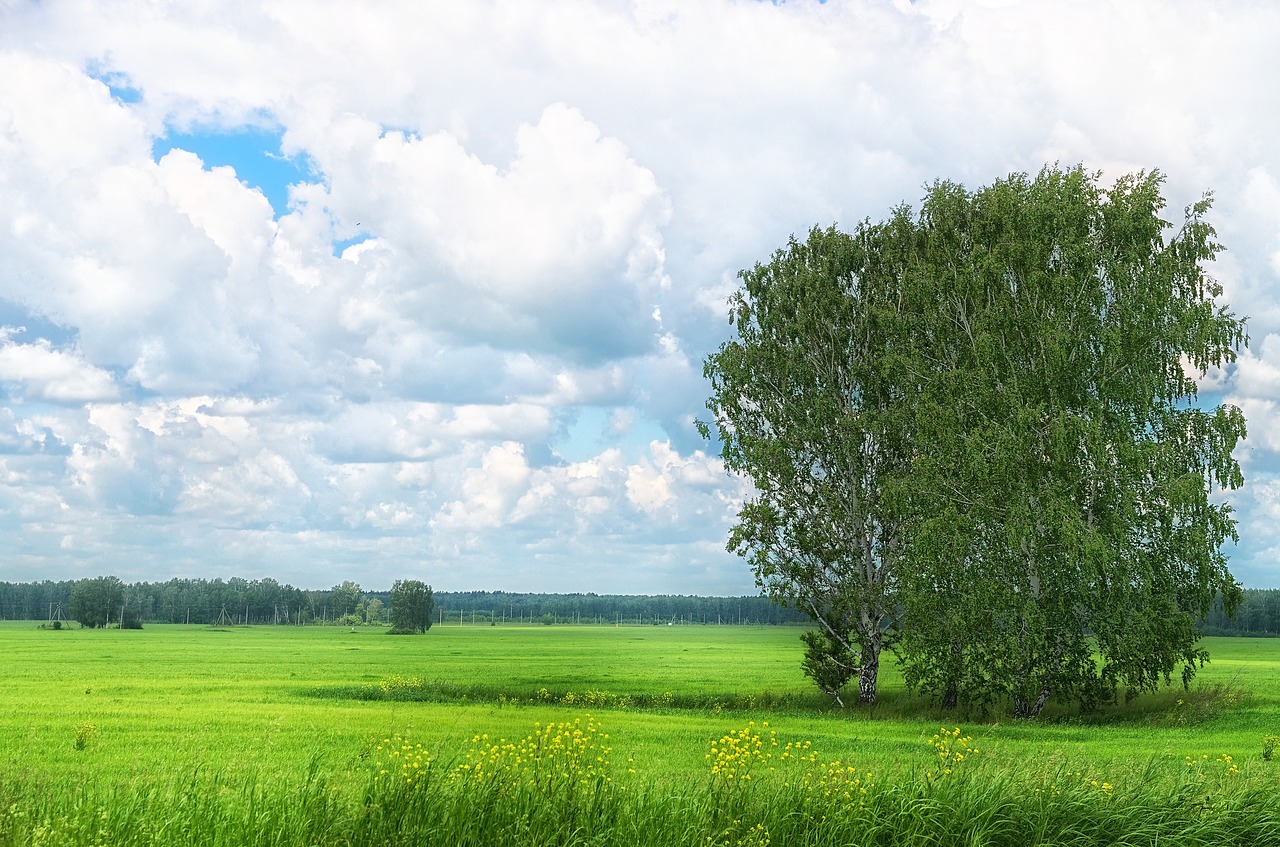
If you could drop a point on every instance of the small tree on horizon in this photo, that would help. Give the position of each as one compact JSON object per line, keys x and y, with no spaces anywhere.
{"x":412,"y":606}
{"x":96,"y":602}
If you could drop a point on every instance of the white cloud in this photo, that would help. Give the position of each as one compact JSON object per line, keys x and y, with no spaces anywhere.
{"x":552,"y":202}
{"x":49,"y":374}
{"x":109,"y":242}
{"x":123,"y":467}
{"x":559,"y":249}
{"x":1258,"y":369}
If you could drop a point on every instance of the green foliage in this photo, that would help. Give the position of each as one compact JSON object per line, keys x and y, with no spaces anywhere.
{"x":973,"y":439}
{"x":806,"y":406}
{"x":344,"y":599}
{"x":1063,"y":486}
{"x":97,"y":602}
{"x":1257,"y":613}
{"x":412,"y":606}
{"x":1204,"y":703}
{"x":417,"y":690}
{"x":267,"y":601}
{"x":828,"y":662}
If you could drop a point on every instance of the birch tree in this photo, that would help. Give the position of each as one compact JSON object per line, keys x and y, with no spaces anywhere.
{"x":412,"y":605}
{"x":804,"y":405}
{"x":974,"y":438}
{"x":1067,"y":538}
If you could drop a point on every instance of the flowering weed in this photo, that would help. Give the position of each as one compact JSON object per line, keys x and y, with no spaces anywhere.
{"x":951,"y":749}
{"x":556,"y":757}
{"x":738,"y":835}
{"x":400,"y":687}
{"x":84,"y":734}
{"x":399,"y":762}
{"x":735,"y":754}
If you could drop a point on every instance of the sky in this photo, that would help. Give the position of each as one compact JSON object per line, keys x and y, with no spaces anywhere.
{"x":322,"y":291}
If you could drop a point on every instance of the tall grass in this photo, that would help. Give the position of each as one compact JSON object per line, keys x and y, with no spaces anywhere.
{"x":562,"y":784}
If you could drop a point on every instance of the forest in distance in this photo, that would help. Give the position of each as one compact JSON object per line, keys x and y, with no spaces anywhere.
{"x":267,"y":601}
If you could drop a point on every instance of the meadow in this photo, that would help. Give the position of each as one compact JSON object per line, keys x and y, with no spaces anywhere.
{"x":591,"y":734}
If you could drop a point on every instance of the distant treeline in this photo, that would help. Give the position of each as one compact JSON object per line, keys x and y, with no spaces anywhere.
{"x":265,"y":601}
{"x":499,"y":606}
{"x":1259,"y":614}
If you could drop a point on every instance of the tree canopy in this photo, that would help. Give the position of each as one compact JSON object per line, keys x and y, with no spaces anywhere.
{"x":975,"y":438}
{"x":96,"y":602}
{"x":412,"y":606}
{"x":804,"y":403}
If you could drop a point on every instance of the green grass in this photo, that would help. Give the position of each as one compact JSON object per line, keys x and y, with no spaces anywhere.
{"x":230,"y":732}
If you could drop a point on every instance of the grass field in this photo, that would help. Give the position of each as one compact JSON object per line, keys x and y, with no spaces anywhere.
{"x":284,"y":718}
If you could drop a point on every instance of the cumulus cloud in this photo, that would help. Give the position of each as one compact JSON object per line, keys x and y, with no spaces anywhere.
{"x":106,"y":241}
{"x":45,"y":373}
{"x":559,"y":249}
{"x":472,"y":342}
{"x":1258,"y":369}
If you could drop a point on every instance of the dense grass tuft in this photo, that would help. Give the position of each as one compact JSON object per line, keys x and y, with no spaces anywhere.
{"x":560,"y":785}
{"x":417,"y":690}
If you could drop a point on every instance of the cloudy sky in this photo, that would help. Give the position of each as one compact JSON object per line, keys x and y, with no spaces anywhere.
{"x":325,"y":291}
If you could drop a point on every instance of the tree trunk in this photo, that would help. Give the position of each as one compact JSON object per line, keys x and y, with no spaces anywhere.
{"x":1022,"y":708}
{"x":1040,"y":701}
{"x":951,"y":694}
{"x":869,"y":671}
{"x":867,"y":682}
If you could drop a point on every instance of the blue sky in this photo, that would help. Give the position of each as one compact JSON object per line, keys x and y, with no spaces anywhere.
{"x":424,"y":291}
{"x":253,"y":153}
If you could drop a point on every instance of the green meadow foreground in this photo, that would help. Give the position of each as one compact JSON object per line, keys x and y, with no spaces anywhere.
{"x":609,"y":735}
